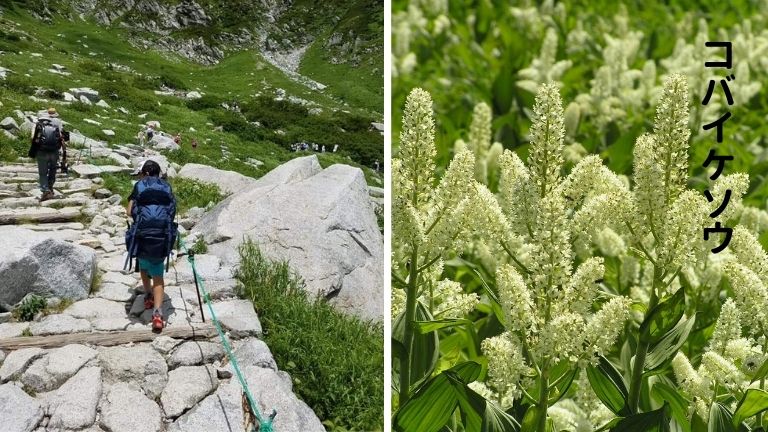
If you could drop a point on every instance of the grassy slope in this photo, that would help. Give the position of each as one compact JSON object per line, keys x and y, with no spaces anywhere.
{"x":238,"y":77}
{"x":361,"y":89}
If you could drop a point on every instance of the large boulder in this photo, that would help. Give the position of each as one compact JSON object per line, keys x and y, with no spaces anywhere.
{"x":9,"y":123}
{"x":89,"y":93}
{"x":32,"y":262}
{"x":162,"y":142}
{"x":229,"y":182}
{"x":321,"y":221}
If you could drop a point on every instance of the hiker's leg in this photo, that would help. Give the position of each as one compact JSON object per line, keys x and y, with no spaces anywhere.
{"x":42,"y":171}
{"x":53,"y":160}
{"x":158,"y":287}
{"x":145,"y":280}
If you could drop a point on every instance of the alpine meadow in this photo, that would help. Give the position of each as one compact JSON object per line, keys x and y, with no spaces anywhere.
{"x":566,"y":253}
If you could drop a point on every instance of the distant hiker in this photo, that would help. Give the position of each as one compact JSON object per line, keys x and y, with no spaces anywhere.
{"x":194,"y":143}
{"x":323,"y":148}
{"x":141,"y":136}
{"x":177,"y":138}
{"x":335,"y":147}
{"x":150,"y":239}
{"x":150,"y":132}
{"x":47,"y":140}
{"x":376,"y":164}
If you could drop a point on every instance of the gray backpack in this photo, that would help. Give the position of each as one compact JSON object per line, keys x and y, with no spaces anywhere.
{"x":48,"y":135}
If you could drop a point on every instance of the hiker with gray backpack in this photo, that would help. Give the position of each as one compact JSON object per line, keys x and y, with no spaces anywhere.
{"x":150,"y":239}
{"x":47,"y":140}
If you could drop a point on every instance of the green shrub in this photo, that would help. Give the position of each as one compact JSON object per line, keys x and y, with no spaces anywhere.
{"x":199,"y":247}
{"x":191,"y":193}
{"x":119,"y":183}
{"x":205,"y":102}
{"x":336,"y":361}
{"x":31,"y":305}
{"x":18,"y":83}
{"x":10,"y":150}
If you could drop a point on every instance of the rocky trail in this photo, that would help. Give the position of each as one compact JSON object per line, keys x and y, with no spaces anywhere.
{"x":92,"y":363}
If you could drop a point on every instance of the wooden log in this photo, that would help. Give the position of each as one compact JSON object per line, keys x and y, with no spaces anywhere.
{"x":198,"y":331}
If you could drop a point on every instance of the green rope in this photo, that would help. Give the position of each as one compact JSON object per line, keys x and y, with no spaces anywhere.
{"x":265,"y":425}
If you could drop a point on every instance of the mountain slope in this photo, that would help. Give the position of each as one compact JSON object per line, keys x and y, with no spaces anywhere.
{"x":276,"y":110}
{"x":341,"y":32}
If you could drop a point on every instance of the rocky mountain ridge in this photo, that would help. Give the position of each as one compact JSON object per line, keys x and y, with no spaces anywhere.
{"x":203,"y":31}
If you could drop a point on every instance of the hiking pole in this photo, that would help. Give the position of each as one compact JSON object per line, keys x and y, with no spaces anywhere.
{"x":194,"y":276}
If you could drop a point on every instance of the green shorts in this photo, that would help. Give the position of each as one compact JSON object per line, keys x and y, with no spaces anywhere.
{"x":151,"y":267}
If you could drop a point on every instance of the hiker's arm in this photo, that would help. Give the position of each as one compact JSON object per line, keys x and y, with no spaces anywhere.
{"x":129,"y":207}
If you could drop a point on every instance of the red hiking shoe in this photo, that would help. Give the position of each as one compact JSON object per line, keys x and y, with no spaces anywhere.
{"x":157,"y":322}
{"x":149,"y":302}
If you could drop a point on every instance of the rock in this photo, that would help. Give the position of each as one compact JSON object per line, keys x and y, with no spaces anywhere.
{"x":9,"y":135}
{"x":327,"y":230}
{"x":153,"y":123}
{"x":376,"y":192}
{"x":114,"y":291}
{"x":9,"y":124}
{"x":111,"y":324}
{"x":49,"y":372}
{"x":102,"y":103}
{"x":108,"y":132}
{"x":187,"y":385}
{"x":85,"y":170}
{"x":94,"y":308}
{"x":208,"y":268}
{"x":254,"y":352}
{"x":194,"y":95}
{"x":140,"y":365}
{"x":89,"y":93}
{"x":69,"y":97}
{"x":32,"y":262}
{"x":4,"y":318}
{"x":194,"y":353}
{"x":123,"y":110}
{"x":116,"y":277}
{"x":85,"y":100}
{"x":8,"y":330}
{"x":126,"y":409}
{"x":237,"y":316}
{"x":73,"y":405}
{"x":228,"y":181}
{"x":15,"y":363}
{"x":59,"y":324}
{"x":21,"y":413}
{"x":270,"y":391}
{"x":102,"y":193}
{"x":164,"y":344}
{"x":160,"y":142}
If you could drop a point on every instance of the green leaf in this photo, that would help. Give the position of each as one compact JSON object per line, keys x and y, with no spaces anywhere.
{"x":425,"y":350}
{"x":529,"y":419}
{"x":761,"y":373}
{"x":679,"y":406}
{"x":719,"y":419}
{"x":424,"y":327}
{"x":494,"y":419}
{"x":653,"y":421}
{"x":666,"y":348}
{"x":433,"y":404}
{"x":754,"y":402}
{"x":609,"y":386}
{"x":663,"y":318}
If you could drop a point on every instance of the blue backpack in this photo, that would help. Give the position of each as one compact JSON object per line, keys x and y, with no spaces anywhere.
{"x":153,"y":232}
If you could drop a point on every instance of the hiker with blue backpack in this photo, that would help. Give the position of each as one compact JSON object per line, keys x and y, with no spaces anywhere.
{"x":150,"y":239}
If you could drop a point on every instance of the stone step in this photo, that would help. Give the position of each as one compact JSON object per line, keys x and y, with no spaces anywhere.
{"x":39,"y":215}
{"x":54,"y":226}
